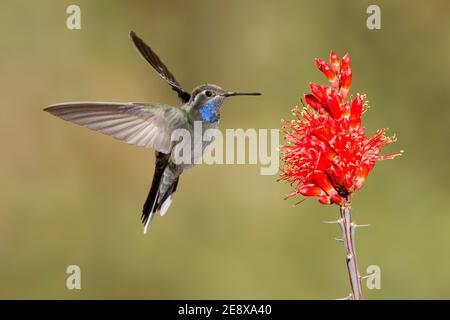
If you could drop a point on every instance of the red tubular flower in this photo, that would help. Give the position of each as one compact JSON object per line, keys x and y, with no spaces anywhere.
{"x":328,"y":72}
{"x":318,"y":92}
{"x":355,"y":113}
{"x":346,"y":81}
{"x":345,"y":63}
{"x":334,"y":107}
{"x":327,"y":154}
{"x":334,"y":61}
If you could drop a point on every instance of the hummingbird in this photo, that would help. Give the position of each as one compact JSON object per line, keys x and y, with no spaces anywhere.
{"x":151,"y":125}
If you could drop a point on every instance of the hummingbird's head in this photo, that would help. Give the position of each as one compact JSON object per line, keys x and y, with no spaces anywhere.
{"x":207,"y":99}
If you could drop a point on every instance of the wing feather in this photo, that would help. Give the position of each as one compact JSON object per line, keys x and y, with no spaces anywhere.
{"x":152,"y":58}
{"x":139,"y":124}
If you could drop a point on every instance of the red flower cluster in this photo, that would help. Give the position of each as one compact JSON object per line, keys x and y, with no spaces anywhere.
{"x":327,"y":154}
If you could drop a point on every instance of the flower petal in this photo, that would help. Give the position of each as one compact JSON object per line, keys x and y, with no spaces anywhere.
{"x":318,"y":91}
{"x":325,"y":199}
{"x":346,"y":81}
{"x":314,"y":103}
{"x":319,"y":63}
{"x":310,"y":190}
{"x":334,"y":61}
{"x":322,"y":181}
{"x":362,"y":173}
{"x":333,"y":106}
{"x":356,"y":112}
{"x":337,"y":199}
{"x":345,"y":62}
{"x":328,"y":72}
{"x":346,"y":110}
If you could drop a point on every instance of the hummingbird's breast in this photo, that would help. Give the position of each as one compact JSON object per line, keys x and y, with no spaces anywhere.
{"x":189,"y":150}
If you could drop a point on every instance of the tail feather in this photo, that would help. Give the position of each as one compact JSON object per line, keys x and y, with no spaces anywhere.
{"x":148,"y":211}
{"x":165,"y":206}
{"x":165,"y":200}
{"x":160,"y":194}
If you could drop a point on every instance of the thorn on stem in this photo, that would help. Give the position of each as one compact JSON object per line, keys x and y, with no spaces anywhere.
{"x":349,"y":297}
{"x":333,"y":222}
{"x":360,"y":225}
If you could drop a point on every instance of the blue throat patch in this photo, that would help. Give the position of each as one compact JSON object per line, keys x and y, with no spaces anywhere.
{"x":208,"y":111}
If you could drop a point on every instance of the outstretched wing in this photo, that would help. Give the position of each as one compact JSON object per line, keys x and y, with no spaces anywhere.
{"x":159,"y":66}
{"x":140,"y":124}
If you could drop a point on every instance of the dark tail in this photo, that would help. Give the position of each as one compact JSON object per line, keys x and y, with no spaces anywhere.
{"x":160,"y":191}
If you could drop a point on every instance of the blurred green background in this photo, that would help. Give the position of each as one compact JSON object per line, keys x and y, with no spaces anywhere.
{"x":72,"y":196}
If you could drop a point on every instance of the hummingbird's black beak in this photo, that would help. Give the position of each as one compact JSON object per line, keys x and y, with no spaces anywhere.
{"x":231,"y":94}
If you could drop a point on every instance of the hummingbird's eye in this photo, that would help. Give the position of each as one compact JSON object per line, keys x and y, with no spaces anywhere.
{"x":208,"y":93}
